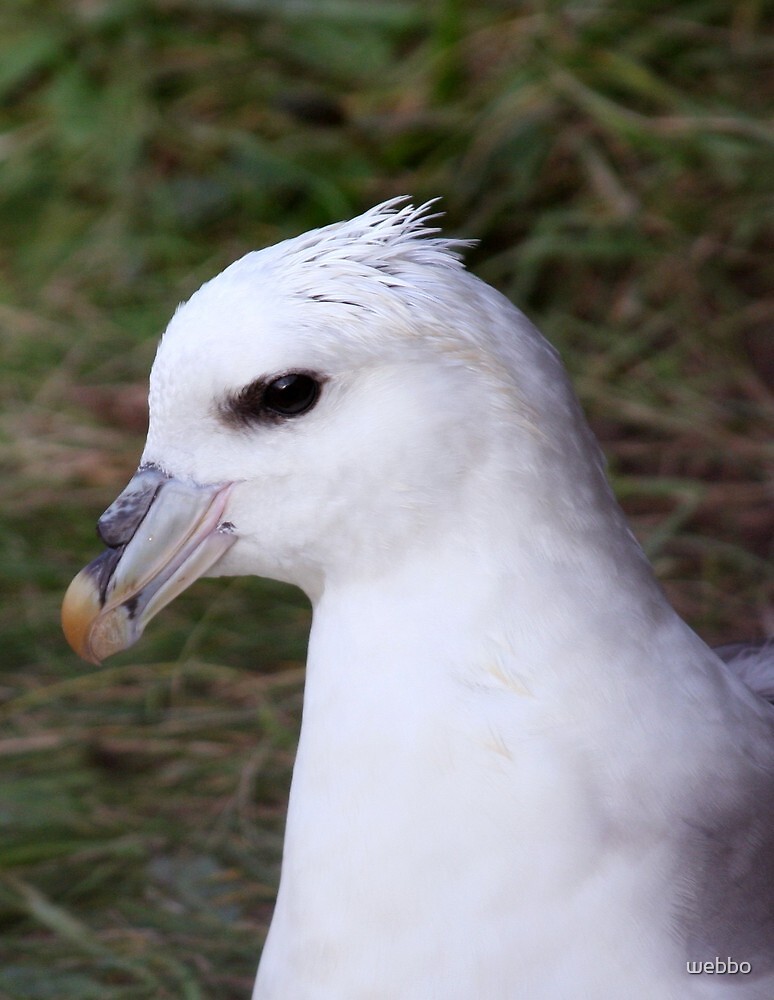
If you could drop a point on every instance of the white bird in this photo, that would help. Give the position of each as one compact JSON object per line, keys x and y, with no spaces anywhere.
{"x":520,"y":775}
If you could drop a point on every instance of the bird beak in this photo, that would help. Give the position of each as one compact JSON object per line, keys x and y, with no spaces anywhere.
{"x":162,"y":534}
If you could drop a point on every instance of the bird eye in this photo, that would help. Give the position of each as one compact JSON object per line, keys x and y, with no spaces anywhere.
{"x":265,"y":400}
{"x":291,"y":395}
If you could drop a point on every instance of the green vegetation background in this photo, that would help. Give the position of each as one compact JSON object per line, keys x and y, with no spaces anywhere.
{"x":615,"y":162}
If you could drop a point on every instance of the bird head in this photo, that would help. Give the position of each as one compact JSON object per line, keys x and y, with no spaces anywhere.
{"x":315,"y":409}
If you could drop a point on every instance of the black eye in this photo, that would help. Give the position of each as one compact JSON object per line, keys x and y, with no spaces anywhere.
{"x":291,"y":395}
{"x":263,"y":400}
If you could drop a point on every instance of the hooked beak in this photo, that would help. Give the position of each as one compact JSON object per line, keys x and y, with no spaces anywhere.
{"x":162,"y":534}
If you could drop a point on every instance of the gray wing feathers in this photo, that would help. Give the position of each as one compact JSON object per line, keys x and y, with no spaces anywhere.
{"x":752,"y":662}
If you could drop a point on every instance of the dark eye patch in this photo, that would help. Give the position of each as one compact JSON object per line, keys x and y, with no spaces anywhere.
{"x":273,"y":399}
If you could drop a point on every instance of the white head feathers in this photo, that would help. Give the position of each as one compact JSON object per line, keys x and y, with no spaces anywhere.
{"x":391,"y":243}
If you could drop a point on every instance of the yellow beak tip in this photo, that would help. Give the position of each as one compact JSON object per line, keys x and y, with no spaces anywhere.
{"x":92,"y":631}
{"x":80,"y":609}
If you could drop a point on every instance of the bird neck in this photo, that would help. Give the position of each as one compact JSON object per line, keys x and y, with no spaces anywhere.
{"x":505,"y":574}
{"x":437,"y":759}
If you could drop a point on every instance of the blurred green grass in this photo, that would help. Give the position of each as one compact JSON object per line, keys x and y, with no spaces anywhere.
{"x":615,"y":161}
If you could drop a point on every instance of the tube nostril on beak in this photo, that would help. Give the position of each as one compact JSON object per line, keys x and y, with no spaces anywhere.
{"x":123,"y":517}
